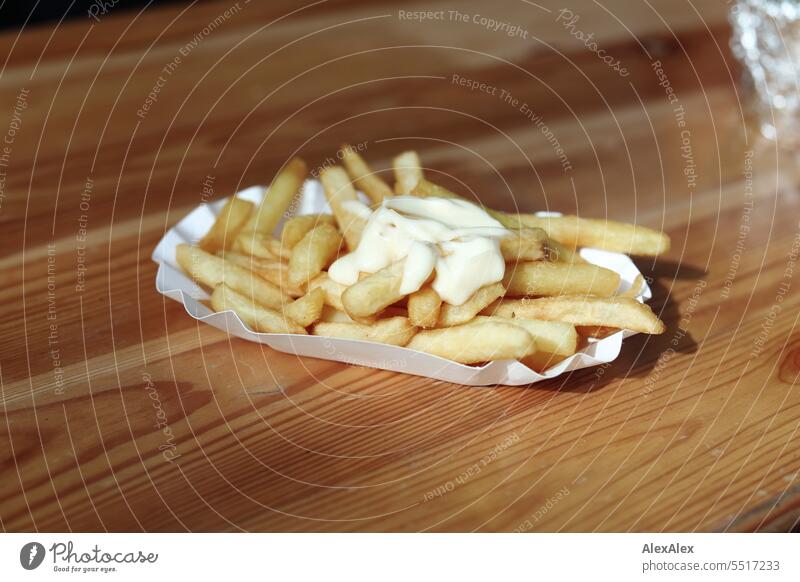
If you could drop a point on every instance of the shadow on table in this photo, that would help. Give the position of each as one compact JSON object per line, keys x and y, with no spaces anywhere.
{"x":641,"y":353}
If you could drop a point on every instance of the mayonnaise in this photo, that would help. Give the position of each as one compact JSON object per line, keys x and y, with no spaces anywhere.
{"x":454,"y":238}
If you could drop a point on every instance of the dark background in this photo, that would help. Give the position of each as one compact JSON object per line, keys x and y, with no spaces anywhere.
{"x":15,"y":13}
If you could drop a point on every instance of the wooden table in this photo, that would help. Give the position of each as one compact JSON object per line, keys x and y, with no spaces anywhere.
{"x":120,"y":412}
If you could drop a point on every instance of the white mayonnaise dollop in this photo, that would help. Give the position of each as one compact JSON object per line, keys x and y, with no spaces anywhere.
{"x":454,"y":238}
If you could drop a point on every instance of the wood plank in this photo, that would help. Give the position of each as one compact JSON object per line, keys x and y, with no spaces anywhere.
{"x":692,"y":430}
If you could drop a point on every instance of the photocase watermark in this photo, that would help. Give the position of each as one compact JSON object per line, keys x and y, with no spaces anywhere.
{"x":31,"y":555}
{"x":67,"y":559}
{"x":337,"y":158}
{"x":169,"y":449}
{"x":207,"y":189}
{"x":100,"y":8}
{"x":568,"y":19}
{"x":14,"y":126}
{"x":52,"y":321}
{"x":169,"y":69}
{"x":327,"y":163}
{"x":599,"y":372}
{"x":511,"y":30}
{"x":679,"y":113}
{"x":331,"y":349}
{"x":526,"y":110}
{"x":543,"y":510}
{"x":473,"y":470}
{"x":206,"y":196}
{"x":82,"y":236}
{"x":744,"y":226}
{"x":780,"y":294}
{"x":394,"y":364}
{"x":490,"y":24}
{"x":683,"y":328}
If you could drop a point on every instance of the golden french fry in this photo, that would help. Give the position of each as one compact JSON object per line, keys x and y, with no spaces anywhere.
{"x":525,"y":244}
{"x":273,"y":270}
{"x":315,"y":251}
{"x":332,"y":290}
{"x":475,"y":342}
{"x":374,"y":293}
{"x":283,"y":189}
{"x":229,"y":222}
{"x":354,"y":225}
{"x":620,"y":312}
{"x":333,"y":315}
{"x":364,"y":177}
{"x":212,"y":271}
{"x":255,"y":316}
{"x":395,"y":330}
{"x":338,"y":187}
{"x":261,"y":245}
{"x":342,"y":197}
{"x":558,"y":253}
{"x":427,"y":189}
{"x":296,"y":227}
{"x":424,"y":306}
{"x":307,"y":309}
{"x":407,"y":172}
{"x":457,"y":314}
{"x":554,"y":340}
{"x":545,"y":278}
{"x":574,"y":232}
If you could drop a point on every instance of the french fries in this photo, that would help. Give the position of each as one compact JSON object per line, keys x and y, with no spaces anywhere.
{"x":545,"y":278}
{"x":315,"y":251}
{"x":450,"y":315}
{"x":407,"y":172}
{"x":333,"y":315}
{"x":619,"y":312}
{"x":307,"y":309}
{"x":525,"y":244}
{"x":396,"y":331}
{"x":555,"y":340}
{"x":212,"y":271}
{"x":475,"y":342}
{"x":427,"y":189}
{"x":273,"y":270}
{"x":608,"y":235}
{"x":364,"y":177}
{"x":283,"y":189}
{"x":374,"y":293}
{"x":558,"y":253}
{"x":229,"y":222}
{"x":260,"y":318}
{"x":548,"y":299}
{"x":296,"y":227}
{"x":331,"y":289}
{"x":261,"y":245}
{"x":424,"y":307}
{"x":339,"y":191}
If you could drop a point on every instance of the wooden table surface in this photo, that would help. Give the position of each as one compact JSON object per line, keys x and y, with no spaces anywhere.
{"x":121,"y":413}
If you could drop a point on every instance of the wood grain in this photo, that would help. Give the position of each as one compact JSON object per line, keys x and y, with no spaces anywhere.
{"x":692,"y":430}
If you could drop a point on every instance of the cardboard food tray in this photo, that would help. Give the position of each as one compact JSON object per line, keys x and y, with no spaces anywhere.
{"x":173,"y":283}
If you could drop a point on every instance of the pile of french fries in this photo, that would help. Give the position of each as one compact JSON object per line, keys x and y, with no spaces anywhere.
{"x":548,"y":305}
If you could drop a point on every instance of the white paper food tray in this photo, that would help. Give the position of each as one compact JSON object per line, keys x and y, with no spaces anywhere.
{"x":173,"y":283}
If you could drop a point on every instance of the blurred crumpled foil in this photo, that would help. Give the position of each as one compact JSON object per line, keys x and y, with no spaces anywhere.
{"x":766,"y":40}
